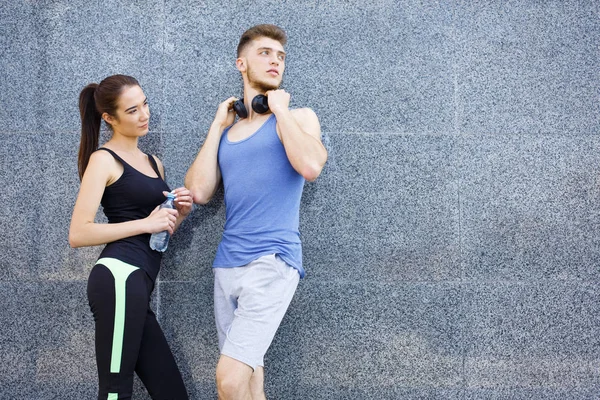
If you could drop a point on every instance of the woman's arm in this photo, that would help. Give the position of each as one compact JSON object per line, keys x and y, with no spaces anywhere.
{"x":101,"y":169}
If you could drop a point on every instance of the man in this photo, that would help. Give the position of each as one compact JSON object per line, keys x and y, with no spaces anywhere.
{"x":263,"y":160}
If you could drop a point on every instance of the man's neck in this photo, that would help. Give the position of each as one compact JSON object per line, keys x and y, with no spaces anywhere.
{"x":249,"y":94}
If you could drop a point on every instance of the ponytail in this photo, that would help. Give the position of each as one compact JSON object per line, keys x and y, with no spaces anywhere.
{"x":95,"y":100}
{"x":90,"y":126}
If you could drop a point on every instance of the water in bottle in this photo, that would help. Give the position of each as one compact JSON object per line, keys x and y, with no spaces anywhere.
{"x":160,"y":240}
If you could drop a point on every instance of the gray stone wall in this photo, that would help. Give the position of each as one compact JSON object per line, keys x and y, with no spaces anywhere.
{"x":451,"y":244}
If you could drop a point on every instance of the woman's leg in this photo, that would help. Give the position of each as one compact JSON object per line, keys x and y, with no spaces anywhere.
{"x":156,"y":365}
{"x":118,"y":297}
{"x":128,"y":337}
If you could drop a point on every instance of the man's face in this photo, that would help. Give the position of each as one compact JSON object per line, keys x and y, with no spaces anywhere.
{"x":265,"y":63}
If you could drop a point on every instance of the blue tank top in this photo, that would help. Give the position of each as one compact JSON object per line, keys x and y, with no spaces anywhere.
{"x":133,"y":196}
{"x":262,"y":200}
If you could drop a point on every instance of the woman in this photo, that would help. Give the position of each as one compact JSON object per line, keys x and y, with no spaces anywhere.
{"x":130,"y":186}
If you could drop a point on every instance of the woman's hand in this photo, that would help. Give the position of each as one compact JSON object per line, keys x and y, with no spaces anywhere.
{"x":183,"y":201}
{"x":161,"y":219}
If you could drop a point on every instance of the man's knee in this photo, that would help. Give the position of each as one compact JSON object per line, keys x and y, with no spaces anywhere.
{"x":233,"y":379}
{"x":230,"y":387}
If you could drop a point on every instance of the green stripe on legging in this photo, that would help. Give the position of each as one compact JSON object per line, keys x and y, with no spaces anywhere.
{"x":121,"y":272}
{"x":113,"y":396}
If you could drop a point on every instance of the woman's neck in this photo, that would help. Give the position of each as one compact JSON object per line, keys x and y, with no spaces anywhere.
{"x":124,"y":143}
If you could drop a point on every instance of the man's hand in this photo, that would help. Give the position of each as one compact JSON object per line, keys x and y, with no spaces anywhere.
{"x":278,"y":100}
{"x":225,"y":114}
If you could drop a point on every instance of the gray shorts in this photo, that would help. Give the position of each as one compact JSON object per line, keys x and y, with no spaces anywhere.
{"x":250,"y":302}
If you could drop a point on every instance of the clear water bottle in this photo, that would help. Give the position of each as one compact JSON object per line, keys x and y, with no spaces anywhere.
{"x":160,"y":240}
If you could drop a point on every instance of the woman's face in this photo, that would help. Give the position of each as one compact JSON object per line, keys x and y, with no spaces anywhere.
{"x":132,"y":115}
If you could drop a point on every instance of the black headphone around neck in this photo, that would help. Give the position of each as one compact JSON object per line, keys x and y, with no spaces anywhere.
{"x":260,"y":104}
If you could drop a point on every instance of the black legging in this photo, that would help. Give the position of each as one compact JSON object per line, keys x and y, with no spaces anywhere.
{"x":128,"y":336}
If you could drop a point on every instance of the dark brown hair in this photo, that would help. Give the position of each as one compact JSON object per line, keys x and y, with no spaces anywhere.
{"x":264,"y":30}
{"x":95,"y":100}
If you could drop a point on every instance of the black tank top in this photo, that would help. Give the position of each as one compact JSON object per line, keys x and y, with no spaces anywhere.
{"x":133,"y":196}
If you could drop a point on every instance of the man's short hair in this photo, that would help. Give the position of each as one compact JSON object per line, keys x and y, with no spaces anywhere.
{"x":264,"y":30}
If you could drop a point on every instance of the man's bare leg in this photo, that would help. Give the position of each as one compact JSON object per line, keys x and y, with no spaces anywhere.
{"x":257,"y":384}
{"x":233,"y":379}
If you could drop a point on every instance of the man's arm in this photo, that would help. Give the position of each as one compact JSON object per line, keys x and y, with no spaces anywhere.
{"x":300,"y":134}
{"x":203,"y":176}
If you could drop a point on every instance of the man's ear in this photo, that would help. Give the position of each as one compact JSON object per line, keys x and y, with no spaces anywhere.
{"x":240,"y":64}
